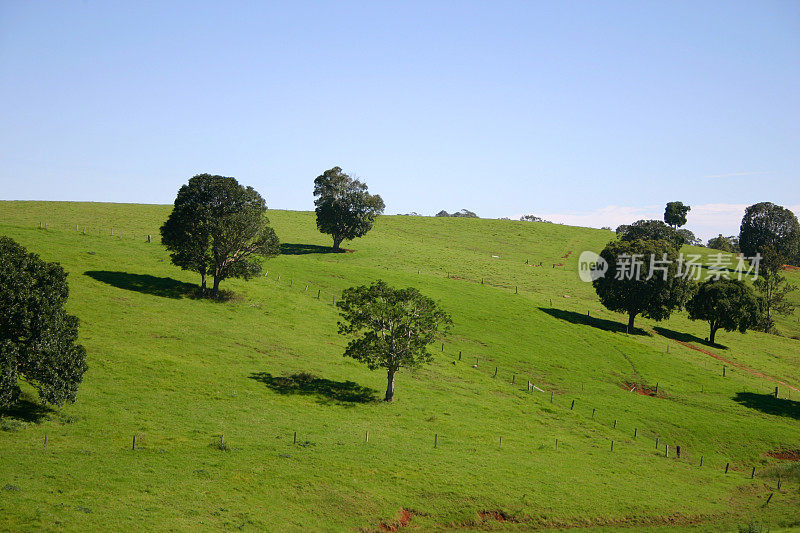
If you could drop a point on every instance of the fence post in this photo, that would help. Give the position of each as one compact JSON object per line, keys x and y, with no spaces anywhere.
{"x":726,"y":467}
{"x":148,"y":238}
{"x":435,"y":440}
{"x":45,"y":443}
{"x":615,"y":424}
{"x":133,"y":446}
{"x":656,"y":443}
{"x":571,"y":407}
{"x":678,"y":452}
{"x":295,"y":438}
{"x":701,"y":460}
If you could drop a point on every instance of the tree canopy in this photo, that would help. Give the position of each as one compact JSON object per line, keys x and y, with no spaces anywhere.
{"x":675,"y":214}
{"x":393,"y":327}
{"x":725,"y":244}
{"x":642,"y":278}
{"x":345,"y":209}
{"x":650,"y":230}
{"x":773,"y":232}
{"x":724,"y":303}
{"x":218,"y":227}
{"x":766,"y":224}
{"x":689,"y":237}
{"x":37,"y":336}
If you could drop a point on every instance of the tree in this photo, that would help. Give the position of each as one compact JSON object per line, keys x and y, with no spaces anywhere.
{"x":773,"y":288}
{"x":642,"y":278}
{"x":725,"y":244}
{"x":689,"y":237}
{"x":675,"y":214}
{"x":219,"y":227}
{"x":37,"y":336}
{"x":766,"y":224}
{"x":345,"y":210}
{"x":773,"y":232}
{"x":724,"y":303}
{"x":394,"y":327}
{"x":651,"y":230}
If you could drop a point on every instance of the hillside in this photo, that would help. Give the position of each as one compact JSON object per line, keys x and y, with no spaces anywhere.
{"x":266,"y":369}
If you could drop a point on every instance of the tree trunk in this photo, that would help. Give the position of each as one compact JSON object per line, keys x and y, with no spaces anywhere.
{"x":390,"y":386}
{"x":631,"y":317}
{"x":337,"y":240}
{"x":203,"y":282}
{"x":215,"y":290}
{"x":713,"y":333}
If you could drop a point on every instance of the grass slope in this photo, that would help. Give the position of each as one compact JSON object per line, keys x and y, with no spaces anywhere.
{"x":179,"y":373}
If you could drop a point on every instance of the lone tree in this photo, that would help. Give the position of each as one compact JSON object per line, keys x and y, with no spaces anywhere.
{"x":773,"y":232}
{"x":650,"y":230}
{"x":219,"y":228}
{"x":675,"y":214}
{"x":724,"y":303}
{"x":37,"y":336}
{"x":643,"y":278}
{"x":394,"y":327}
{"x":345,"y":210}
{"x":766,"y":224}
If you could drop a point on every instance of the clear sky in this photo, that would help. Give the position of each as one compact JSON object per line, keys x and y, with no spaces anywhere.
{"x":590,"y":113}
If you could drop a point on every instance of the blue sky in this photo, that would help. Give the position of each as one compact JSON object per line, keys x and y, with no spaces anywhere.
{"x":591,"y":113}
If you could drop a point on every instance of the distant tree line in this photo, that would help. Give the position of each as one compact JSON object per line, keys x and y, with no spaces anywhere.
{"x":464,"y":213}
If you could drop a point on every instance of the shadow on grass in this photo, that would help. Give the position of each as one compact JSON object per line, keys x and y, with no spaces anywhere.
{"x":686,"y":337}
{"x":303,"y":249}
{"x":26,"y":411}
{"x":599,"y":323}
{"x":767,"y":403}
{"x":144,"y":283}
{"x":345,"y":392}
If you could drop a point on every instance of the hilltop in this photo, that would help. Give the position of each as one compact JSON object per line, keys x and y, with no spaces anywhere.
{"x":246,"y":415}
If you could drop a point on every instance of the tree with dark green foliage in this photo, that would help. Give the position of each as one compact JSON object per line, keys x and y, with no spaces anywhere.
{"x":773,"y":232}
{"x":651,"y":230}
{"x":37,"y":336}
{"x":393,"y":327}
{"x":218,"y":227}
{"x":766,"y":224}
{"x":675,"y":214}
{"x":773,"y":288}
{"x":643,"y":278}
{"x":345,"y":209}
{"x":725,"y":244}
{"x":724,"y":303}
{"x":689,"y":237}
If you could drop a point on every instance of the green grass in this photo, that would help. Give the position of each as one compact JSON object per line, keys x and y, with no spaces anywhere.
{"x":179,"y":372}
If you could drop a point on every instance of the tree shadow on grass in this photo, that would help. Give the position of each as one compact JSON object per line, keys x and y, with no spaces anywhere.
{"x":686,"y":337}
{"x":26,"y":411}
{"x":303,"y":249}
{"x":599,"y":323}
{"x":767,"y":403}
{"x":343,"y":392}
{"x":144,"y":283}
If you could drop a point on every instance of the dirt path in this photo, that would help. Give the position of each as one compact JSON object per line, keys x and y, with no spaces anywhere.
{"x":737,"y":365}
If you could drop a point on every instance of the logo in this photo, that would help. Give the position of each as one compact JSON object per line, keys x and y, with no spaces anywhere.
{"x":591,"y":266}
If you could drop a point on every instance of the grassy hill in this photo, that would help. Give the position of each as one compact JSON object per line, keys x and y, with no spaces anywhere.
{"x":183,"y":374}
